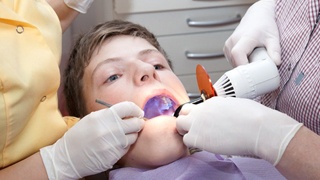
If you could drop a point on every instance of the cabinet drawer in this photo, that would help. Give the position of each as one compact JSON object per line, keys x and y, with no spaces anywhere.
{"x":176,"y":22}
{"x":211,"y":42}
{"x":138,"y":6}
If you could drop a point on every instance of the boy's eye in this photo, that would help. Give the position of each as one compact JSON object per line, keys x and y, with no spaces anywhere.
{"x":112,"y":78}
{"x":158,"y":67}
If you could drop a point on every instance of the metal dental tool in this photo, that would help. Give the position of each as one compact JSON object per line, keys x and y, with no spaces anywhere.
{"x":103,"y":103}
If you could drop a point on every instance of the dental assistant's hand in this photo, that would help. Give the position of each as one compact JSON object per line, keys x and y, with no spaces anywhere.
{"x":234,"y":126}
{"x":256,"y":29}
{"x":79,"y":5}
{"x":95,"y":143}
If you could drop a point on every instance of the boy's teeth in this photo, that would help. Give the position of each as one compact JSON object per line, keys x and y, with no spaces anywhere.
{"x":159,"y":105}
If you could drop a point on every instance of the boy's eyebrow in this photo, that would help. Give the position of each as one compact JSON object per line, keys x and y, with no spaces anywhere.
{"x":106,"y":61}
{"x":148,"y":51}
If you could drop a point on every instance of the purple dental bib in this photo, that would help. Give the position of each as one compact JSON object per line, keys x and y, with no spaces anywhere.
{"x":159,"y":105}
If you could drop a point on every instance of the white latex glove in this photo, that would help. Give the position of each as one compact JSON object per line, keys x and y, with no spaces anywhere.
{"x":234,"y":126}
{"x":79,"y":5}
{"x":256,"y":29}
{"x":95,"y":143}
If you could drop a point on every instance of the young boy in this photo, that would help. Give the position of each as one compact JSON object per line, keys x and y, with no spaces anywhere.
{"x":120,"y":61}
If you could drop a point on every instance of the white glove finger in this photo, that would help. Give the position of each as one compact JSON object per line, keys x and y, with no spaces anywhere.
{"x":132,"y":125}
{"x":274,"y":50}
{"x":79,"y":5}
{"x":131,"y":139}
{"x":186,"y":108}
{"x":191,"y":141}
{"x":240,"y":52}
{"x":183,"y":124}
{"x":118,"y":132}
{"x":127,"y":109}
{"x":227,"y":49}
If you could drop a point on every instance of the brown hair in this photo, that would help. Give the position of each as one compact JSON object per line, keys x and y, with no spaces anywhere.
{"x":81,"y":54}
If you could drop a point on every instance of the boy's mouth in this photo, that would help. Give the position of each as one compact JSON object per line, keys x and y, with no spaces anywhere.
{"x":159,"y":105}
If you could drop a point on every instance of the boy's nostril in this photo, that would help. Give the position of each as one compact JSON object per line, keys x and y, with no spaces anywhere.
{"x":144,"y":77}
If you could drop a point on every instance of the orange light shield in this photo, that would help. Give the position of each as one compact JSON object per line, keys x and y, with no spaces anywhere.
{"x":204,"y":82}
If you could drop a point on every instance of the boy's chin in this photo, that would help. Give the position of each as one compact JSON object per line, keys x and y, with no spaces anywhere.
{"x":158,"y":144}
{"x":158,"y":160}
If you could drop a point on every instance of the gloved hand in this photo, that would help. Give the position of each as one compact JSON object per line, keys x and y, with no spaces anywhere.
{"x":79,"y":5}
{"x":256,"y":29}
{"x":95,"y":143}
{"x":234,"y":126}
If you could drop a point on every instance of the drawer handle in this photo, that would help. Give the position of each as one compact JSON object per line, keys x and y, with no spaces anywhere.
{"x":191,"y":55}
{"x":213,"y":23}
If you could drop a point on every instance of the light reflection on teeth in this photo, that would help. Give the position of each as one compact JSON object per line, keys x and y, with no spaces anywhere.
{"x":159,"y":105}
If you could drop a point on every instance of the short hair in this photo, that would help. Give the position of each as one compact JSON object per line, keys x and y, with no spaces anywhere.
{"x":81,"y":54}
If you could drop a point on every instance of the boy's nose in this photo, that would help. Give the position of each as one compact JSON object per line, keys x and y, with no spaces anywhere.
{"x":145,"y":74}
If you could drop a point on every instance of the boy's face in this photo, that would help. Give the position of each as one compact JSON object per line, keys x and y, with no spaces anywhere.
{"x":129,"y":68}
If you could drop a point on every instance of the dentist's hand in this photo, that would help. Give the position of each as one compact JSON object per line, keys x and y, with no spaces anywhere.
{"x":95,"y":143}
{"x":256,"y":29}
{"x":234,"y":126}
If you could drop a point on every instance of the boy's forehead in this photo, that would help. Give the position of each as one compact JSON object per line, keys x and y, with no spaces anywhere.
{"x":122,"y":47}
{"x":125,"y":43}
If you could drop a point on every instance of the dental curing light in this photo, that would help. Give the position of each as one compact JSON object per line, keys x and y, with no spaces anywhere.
{"x":258,"y":77}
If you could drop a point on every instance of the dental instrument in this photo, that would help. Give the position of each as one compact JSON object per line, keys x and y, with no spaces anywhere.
{"x":103,"y":103}
{"x":258,"y":77}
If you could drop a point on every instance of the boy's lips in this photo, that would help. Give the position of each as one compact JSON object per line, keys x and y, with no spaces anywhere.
{"x":159,"y":105}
